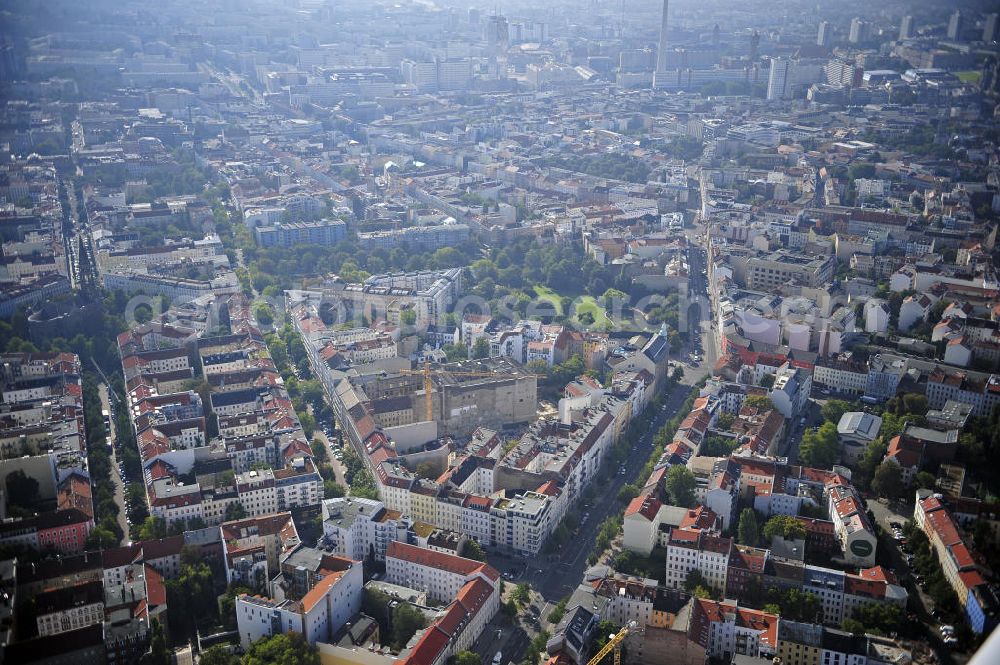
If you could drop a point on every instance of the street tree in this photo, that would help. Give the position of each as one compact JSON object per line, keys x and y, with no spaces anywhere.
{"x":473,"y":550}
{"x":283,"y":649}
{"x":466,"y":658}
{"x":761,"y":402}
{"x":481,"y":349}
{"x":834,"y":409}
{"x":888,"y":481}
{"x":748,"y":532}
{"x":785,"y":526}
{"x":820,"y":448}
{"x":680,"y":486}
{"x":406,"y":621}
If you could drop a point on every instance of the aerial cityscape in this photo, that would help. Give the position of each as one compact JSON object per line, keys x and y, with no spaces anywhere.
{"x":452,"y":332}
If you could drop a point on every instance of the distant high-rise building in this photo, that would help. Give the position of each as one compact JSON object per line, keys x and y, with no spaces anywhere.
{"x":906,"y":28}
{"x":473,"y":16}
{"x":635,"y":60}
{"x":715,"y":35}
{"x":9,"y":65}
{"x":421,"y":75}
{"x":497,"y":34}
{"x":955,"y":25}
{"x":990,"y":24}
{"x":859,"y":31}
{"x":989,"y":82}
{"x":825,"y":34}
{"x":777,"y":81}
{"x":754,"y":46}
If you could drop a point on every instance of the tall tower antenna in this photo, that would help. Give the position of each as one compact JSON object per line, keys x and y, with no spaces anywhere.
{"x":661,"y":50}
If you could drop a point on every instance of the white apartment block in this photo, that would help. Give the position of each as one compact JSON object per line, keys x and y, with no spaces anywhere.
{"x":689,"y":550}
{"x":361,"y":528}
{"x":441,"y":576}
{"x":317,"y":616}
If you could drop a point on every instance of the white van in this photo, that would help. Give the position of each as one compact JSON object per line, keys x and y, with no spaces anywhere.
{"x":497,"y":658}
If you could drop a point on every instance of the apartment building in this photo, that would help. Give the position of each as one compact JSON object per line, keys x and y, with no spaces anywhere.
{"x":438,"y":574}
{"x":768,"y":272}
{"x":521,"y":523}
{"x":317,"y":615}
{"x":416,"y":238}
{"x":810,"y":644}
{"x":790,"y":391}
{"x":724,"y":629}
{"x":175,"y":502}
{"x":252,"y":548}
{"x":43,"y":436}
{"x":841,"y":374}
{"x":67,"y":608}
{"x":850,"y":522}
{"x":981,"y":391}
{"x":957,"y":561}
{"x":361,"y":529}
{"x":323,"y":233}
{"x":695,"y":549}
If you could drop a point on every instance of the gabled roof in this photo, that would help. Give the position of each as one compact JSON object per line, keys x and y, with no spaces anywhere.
{"x":440,"y":560}
{"x":643,"y":506}
{"x":319,"y":591}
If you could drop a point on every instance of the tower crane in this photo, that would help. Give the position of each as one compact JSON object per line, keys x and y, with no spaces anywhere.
{"x":615,"y":644}
{"x":425,"y":371}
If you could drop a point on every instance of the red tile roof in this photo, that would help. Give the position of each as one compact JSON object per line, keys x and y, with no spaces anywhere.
{"x":164,"y":547}
{"x":647,"y":506}
{"x":699,"y":518}
{"x":971,"y":578}
{"x":473,"y":595}
{"x":944,"y":528}
{"x":318,"y":592}
{"x":550,"y":488}
{"x":156,"y":592}
{"x":440,"y":560}
{"x":427,"y":648}
{"x":963,"y":558}
{"x":121,"y":556}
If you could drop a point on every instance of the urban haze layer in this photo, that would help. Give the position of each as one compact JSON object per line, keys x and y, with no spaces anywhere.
{"x":444,"y":332}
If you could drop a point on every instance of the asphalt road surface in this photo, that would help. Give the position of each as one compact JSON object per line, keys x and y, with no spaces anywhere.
{"x":115,"y":476}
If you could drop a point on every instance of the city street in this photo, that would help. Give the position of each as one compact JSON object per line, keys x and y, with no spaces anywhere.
{"x":698,"y":295}
{"x":556,"y":576}
{"x":115,"y":477}
{"x":338,"y":468}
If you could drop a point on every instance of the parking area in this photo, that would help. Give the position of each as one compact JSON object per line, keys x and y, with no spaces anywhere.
{"x":927,"y":622}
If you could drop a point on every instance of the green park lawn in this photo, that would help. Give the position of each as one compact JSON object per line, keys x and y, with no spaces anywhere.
{"x":589,"y":304}
{"x":585,"y":304}
{"x":545,"y":293}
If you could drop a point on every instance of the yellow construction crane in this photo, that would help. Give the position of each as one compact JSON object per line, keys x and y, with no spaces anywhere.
{"x":614,"y":643}
{"x":426,"y":372}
